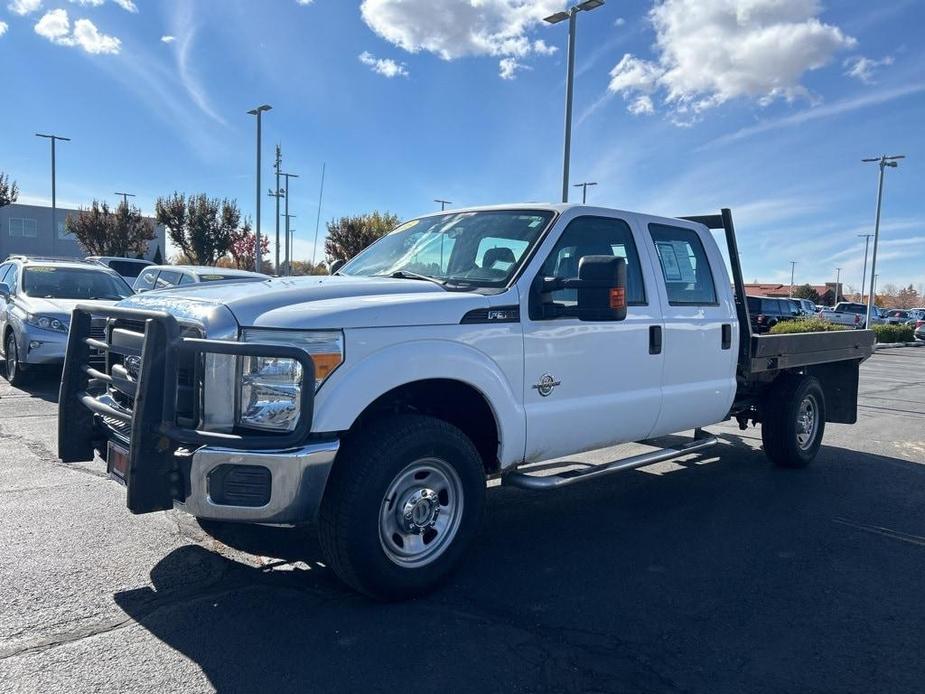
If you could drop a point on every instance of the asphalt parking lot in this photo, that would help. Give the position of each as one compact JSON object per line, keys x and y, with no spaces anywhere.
{"x":719,"y":574}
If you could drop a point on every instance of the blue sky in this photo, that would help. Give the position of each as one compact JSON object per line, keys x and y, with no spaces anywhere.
{"x":681,"y":106}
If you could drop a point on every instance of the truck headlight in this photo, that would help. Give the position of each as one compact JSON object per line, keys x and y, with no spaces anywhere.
{"x":271,"y":388}
{"x":59,"y":325}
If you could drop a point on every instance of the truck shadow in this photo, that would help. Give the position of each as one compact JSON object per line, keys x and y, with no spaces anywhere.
{"x":723,"y":575}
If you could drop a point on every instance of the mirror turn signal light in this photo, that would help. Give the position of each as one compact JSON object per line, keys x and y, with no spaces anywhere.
{"x":617,"y":298}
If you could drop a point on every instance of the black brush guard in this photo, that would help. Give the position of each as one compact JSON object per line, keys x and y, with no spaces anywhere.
{"x":153,"y":479}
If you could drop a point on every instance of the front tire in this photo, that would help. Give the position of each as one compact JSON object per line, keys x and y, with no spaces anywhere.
{"x":403,"y":502}
{"x":793,"y":421}
{"x":15,"y":370}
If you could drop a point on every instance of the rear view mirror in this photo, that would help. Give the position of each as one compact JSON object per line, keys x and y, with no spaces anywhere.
{"x":601,"y":288}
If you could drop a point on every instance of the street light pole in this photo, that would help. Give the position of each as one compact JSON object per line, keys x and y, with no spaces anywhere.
{"x":443,"y":204}
{"x":837,"y":282}
{"x":571,"y":15}
{"x":258,"y":112}
{"x":883,"y":161}
{"x":324,"y":166}
{"x":584,"y":190}
{"x":867,"y":238}
{"x":287,"y":176}
{"x":793,"y":266}
{"x":54,"y":207}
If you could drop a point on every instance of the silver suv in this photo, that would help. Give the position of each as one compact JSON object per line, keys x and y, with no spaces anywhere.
{"x":36,"y":299}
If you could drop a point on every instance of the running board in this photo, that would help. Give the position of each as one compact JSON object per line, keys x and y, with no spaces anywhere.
{"x":527,"y":481}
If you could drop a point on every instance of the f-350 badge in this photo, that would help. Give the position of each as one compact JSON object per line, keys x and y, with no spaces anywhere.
{"x":546,"y":385}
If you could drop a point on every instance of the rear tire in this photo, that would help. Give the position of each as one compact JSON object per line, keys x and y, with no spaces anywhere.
{"x":403,"y":502}
{"x":16,"y":372}
{"x":793,"y":421}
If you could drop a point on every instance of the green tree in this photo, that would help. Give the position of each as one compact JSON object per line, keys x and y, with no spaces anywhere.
{"x":202,"y":228}
{"x":348,"y":236}
{"x":9,"y":191}
{"x":100,"y":231}
{"x":806,"y":291}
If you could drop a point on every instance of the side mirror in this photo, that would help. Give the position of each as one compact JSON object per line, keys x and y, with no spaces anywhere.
{"x":337,"y":265}
{"x":601,"y":288}
{"x":5,"y":291}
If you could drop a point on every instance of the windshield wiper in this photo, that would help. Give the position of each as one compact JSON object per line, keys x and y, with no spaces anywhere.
{"x":408,"y":275}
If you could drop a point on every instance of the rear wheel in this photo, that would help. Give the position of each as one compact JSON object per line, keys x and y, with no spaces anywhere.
{"x":403,"y":502}
{"x":15,"y":370}
{"x":793,"y":421}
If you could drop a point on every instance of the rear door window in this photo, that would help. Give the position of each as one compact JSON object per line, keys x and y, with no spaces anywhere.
{"x":167,"y":279}
{"x":685,"y":267}
{"x":186,"y":279}
{"x":146,"y":280}
{"x":770,"y":307}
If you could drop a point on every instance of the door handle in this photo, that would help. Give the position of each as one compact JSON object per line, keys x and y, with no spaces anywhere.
{"x":655,"y":339}
{"x":727,"y":336}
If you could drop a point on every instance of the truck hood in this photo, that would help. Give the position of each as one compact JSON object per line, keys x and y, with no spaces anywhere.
{"x":321,"y":302}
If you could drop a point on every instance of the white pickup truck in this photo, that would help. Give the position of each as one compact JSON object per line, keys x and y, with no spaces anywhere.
{"x":460,"y":347}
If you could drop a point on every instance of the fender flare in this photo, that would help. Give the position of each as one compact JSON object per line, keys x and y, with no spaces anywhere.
{"x":348,"y":392}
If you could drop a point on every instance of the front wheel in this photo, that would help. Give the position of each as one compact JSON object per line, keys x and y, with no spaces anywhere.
{"x":15,"y":370}
{"x":793,"y":422}
{"x":403,"y":502}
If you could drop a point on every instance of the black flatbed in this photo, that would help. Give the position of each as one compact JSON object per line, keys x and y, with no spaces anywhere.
{"x":796,"y":350}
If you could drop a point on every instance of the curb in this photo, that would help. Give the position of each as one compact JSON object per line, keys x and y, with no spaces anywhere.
{"x":896,"y":345}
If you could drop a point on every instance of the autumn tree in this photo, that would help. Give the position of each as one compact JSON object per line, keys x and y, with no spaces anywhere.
{"x":806,"y":291}
{"x":100,"y":231}
{"x":244,"y":245}
{"x":304,"y":267}
{"x":9,"y":191}
{"x":907,"y":297}
{"x":200,"y":226}
{"x":348,"y":236}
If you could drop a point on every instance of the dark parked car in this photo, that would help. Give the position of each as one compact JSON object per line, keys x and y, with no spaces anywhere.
{"x":766,"y":312}
{"x":896,"y":316}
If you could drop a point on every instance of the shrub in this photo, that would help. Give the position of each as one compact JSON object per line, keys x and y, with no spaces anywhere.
{"x":805,"y":325}
{"x":894,"y":333}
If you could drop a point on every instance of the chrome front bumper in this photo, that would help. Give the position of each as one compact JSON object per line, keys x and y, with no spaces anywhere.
{"x":297,"y":480}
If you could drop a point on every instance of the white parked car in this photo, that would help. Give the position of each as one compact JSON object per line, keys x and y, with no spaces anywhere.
{"x":170,"y":276}
{"x":460,"y":347}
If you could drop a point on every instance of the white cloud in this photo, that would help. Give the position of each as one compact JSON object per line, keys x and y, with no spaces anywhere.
{"x":24,"y":7}
{"x":641,"y":105}
{"x":56,"y":27}
{"x":619,"y":22}
{"x":383,"y":66}
{"x":711,"y":51}
{"x":3,"y":27}
{"x":126,"y":5}
{"x":864,"y":69}
{"x":452,"y":30}
{"x":305,"y":2}
{"x":88,"y":3}
{"x":167,"y":38}
{"x":508,"y":67}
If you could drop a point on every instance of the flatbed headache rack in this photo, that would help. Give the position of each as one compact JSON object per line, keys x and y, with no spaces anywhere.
{"x":761,"y":354}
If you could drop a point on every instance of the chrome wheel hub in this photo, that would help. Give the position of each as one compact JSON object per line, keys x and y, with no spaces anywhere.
{"x":421,"y":512}
{"x":806,"y":422}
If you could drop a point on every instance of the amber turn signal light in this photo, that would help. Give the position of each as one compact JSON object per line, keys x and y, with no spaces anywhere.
{"x":617,"y":298}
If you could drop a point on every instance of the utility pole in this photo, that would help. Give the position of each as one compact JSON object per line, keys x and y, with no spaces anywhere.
{"x":584,"y":190}
{"x":867,"y":238}
{"x":837,"y":282}
{"x":883,"y":161}
{"x":276,"y":193}
{"x":571,"y":15}
{"x":54,"y":206}
{"x":288,"y":233}
{"x":125,"y":197}
{"x":287,"y":176}
{"x":259,"y":111}
{"x":443,"y":204}
{"x":318,"y":218}
{"x":793,"y":265}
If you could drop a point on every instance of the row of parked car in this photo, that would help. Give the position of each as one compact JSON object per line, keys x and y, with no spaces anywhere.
{"x":37,"y":295}
{"x":766,"y":312}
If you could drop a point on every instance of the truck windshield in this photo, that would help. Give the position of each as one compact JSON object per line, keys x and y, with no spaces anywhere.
{"x":50,"y":282}
{"x":466,"y":249}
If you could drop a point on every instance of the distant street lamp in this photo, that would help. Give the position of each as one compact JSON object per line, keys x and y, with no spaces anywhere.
{"x":883,"y":161}
{"x":54,"y":209}
{"x":571,"y":15}
{"x":287,"y":176}
{"x":837,"y":281}
{"x":584,"y":190}
{"x":258,"y":112}
{"x":867,"y":238}
{"x":324,"y":166}
{"x":793,"y":266}
{"x":443,"y":204}
{"x":125,"y":197}
{"x":289,"y":231}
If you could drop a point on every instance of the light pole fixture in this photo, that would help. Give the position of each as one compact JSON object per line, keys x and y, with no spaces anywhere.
{"x":258,"y":112}
{"x":867,"y":238}
{"x":793,"y":266}
{"x":584,"y":190}
{"x":54,"y":211}
{"x":883,"y":161}
{"x":571,"y":15}
{"x":287,"y":176}
{"x":125,"y":197}
{"x":443,"y":204}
